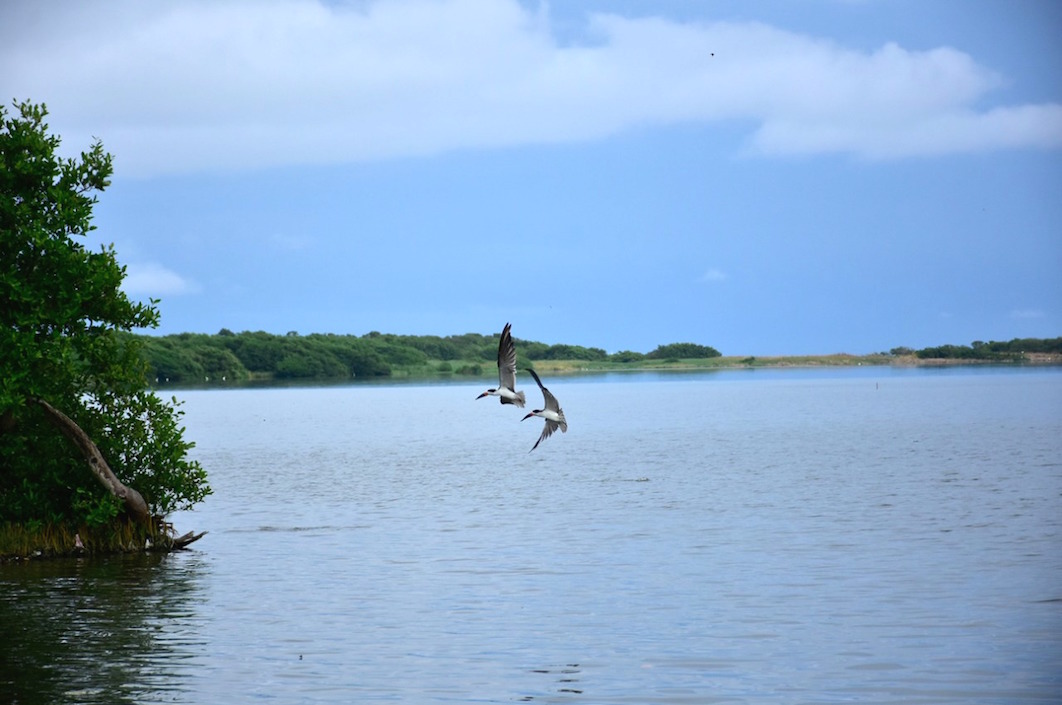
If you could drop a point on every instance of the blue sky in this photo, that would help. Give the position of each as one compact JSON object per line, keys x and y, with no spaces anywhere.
{"x":786,"y":177}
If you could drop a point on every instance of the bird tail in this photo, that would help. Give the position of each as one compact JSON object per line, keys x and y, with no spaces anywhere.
{"x":519,"y":401}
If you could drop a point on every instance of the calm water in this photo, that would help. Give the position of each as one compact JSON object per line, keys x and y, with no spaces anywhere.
{"x":875,"y":535}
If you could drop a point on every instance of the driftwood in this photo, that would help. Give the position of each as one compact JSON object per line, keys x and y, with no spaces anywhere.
{"x":183,"y":541}
{"x":134,"y":501}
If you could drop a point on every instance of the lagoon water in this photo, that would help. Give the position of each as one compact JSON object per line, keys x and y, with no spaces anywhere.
{"x":867,"y":535}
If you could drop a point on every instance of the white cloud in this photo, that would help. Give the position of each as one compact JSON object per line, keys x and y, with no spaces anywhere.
{"x":714,"y":275}
{"x":185,"y":86}
{"x":153,"y":280}
{"x":1027,"y":313}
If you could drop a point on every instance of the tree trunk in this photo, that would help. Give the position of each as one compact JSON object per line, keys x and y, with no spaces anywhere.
{"x":134,"y":501}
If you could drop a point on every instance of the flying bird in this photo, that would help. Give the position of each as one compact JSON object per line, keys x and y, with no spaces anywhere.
{"x":553,"y":414}
{"x":506,"y":391}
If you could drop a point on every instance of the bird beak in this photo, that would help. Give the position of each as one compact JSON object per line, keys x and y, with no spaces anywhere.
{"x":527,"y":417}
{"x":481,"y":395}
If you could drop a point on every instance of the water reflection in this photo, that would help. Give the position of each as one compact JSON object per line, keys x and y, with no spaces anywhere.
{"x":99,"y":630}
{"x":567,"y":678}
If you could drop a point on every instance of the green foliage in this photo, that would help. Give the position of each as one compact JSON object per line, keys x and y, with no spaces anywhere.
{"x":257,"y":352}
{"x":192,"y":358}
{"x":626,"y":356}
{"x":184,"y":358}
{"x":955,"y":352}
{"x":1024,"y":345}
{"x":144,"y":444}
{"x":530,"y":349}
{"x":97,"y":509}
{"x":399,"y":352}
{"x":570,"y":352}
{"x":310,"y":361}
{"x":431,"y":346}
{"x":63,"y":323}
{"x":681,"y":351}
{"x":474,"y":370}
{"x":979,"y":350}
{"x":61,"y":302}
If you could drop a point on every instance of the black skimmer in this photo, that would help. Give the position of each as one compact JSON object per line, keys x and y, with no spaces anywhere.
{"x":553,"y":414}
{"x":506,"y":391}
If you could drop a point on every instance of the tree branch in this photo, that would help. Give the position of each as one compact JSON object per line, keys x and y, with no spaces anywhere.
{"x":134,"y":501}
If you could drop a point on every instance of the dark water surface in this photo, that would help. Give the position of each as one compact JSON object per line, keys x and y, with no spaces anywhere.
{"x":874,"y":535}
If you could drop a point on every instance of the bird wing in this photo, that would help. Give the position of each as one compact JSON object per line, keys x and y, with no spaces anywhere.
{"x":551,"y":405}
{"x":507,"y":359}
{"x":537,"y":380}
{"x":547,"y":431}
{"x":551,"y":401}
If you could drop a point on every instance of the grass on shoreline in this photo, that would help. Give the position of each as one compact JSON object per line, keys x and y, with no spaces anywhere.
{"x":713,"y":363}
{"x":29,"y":541}
{"x":474,"y":369}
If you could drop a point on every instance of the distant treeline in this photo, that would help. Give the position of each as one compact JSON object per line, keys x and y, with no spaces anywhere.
{"x":194,"y":358}
{"x":228,"y":356}
{"x":1012,"y":350}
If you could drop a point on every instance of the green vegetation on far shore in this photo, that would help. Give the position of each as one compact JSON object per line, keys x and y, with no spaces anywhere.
{"x":228,"y":358}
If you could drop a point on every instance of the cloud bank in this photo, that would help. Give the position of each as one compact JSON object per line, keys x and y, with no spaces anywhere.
{"x":233,"y":84}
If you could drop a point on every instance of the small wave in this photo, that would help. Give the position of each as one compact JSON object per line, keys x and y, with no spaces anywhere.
{"x":296,"y":529}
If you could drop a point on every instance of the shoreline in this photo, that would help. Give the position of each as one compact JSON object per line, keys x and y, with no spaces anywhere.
{"x":734,"y":362}
{"x":487,"y":371}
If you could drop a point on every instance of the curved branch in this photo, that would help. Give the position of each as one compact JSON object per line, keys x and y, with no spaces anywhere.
{"x":134,"y":501}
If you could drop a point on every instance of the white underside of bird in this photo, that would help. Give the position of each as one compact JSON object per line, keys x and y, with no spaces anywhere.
{"x":506,"y":396}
